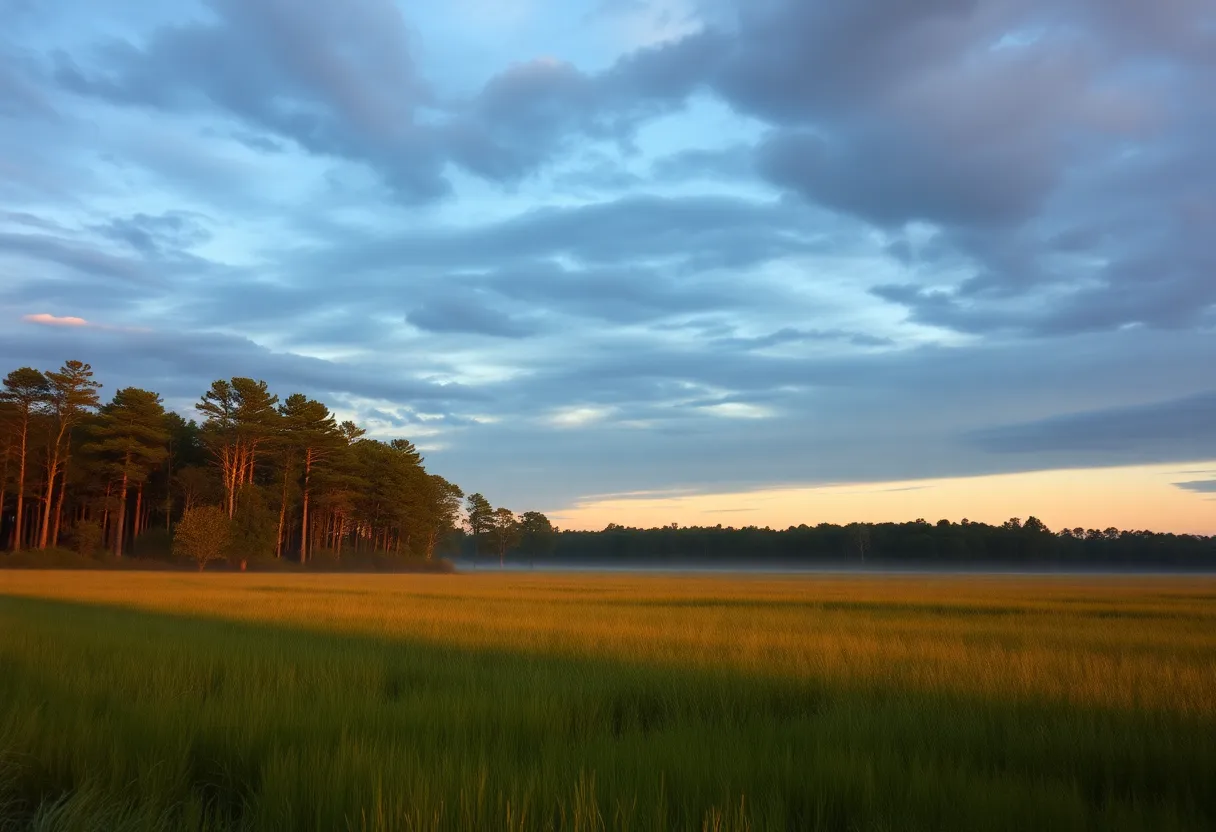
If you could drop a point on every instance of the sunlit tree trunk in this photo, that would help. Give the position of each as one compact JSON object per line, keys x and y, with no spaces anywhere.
{"x":63,"y":489}
{"x":304,"y":528}
{"x":137,"y":526}
{"x":278,"y":542}
{"x":120,"y":519}
{"x":53,"y":464}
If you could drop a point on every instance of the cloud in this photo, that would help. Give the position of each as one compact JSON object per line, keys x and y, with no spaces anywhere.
{"x":1198,"y":486}
{"x":157,"y":235}
{"x":794,"y":335}
{"x":468,"y":314}
{"x":73,"y":322}
{"x":334,"y":81}
{"x":932,"y":239}
{"x":50,"y":320}
{"x":1187,"y":425}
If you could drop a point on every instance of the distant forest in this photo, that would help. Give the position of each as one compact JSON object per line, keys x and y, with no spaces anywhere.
{"x":1013,"y":544}
{"x":282,"y":481}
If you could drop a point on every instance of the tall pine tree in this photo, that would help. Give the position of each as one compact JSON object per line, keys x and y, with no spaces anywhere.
{"x":311,"y":431}
{"x":132,"y":438}
{"x":71,"y":396}
{"x":27,"y":390}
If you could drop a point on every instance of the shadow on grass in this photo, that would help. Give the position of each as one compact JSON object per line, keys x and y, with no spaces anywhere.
{"x":152,"y":721}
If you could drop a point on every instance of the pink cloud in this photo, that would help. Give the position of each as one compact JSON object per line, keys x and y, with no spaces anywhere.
{"x":53,"y":320}
{"x":45,"y":319}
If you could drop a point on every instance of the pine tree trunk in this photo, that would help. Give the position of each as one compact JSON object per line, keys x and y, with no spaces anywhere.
{"x":304,"y":520}
{"x":137,"y":526}
{"x":31,"y":525}
{"x":105,"y":512}
{"x":63,"y":489}
{"x":25,"y":432}
{"x":169,"y":487}
{"x":229,"y":466}
{"x":278,"y":543}
{"x":121,"y":520}
{"x":52,"y":468}
{"x":48,"y":502}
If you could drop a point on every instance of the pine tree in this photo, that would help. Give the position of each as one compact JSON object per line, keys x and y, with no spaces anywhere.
{"x":240,"y":420}
{"x":132,"y":438}
{"x":480,"y":519}
{"x":440,"y":511}
{"x":312,"y":434}
{"x":72,"y":395}
{"x":27,"y":390}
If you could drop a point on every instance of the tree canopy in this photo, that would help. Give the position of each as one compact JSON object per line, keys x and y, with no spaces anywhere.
{"x":289,"y":477}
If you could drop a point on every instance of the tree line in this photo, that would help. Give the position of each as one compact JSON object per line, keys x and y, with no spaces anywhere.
{"x":265,"y":478}
{"x":257,"y":477}
{"x":1014,"y":543}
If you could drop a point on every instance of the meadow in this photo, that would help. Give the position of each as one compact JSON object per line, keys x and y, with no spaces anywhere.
{"x":141,"y":701}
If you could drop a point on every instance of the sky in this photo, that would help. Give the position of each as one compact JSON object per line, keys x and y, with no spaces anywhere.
{"x":648,"y":261}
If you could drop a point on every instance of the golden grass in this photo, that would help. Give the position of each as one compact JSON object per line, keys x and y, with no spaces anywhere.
{"x":1120,"y":642}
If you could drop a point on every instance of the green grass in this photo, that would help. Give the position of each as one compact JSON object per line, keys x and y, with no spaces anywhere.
{"x":169,"y":701}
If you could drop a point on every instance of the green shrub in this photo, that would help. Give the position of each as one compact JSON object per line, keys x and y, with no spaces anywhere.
{"x":203,"y":534}
{"x":85,"y":537}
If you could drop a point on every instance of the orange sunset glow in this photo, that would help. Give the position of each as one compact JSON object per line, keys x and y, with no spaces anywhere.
{"x":1140,"y":497}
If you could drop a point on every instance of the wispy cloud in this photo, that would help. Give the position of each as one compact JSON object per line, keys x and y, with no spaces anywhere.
{"x":73,"y":322}
{"x":45,"y":319}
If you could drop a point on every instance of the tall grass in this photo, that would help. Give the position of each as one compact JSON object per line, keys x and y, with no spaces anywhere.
{"x":165,"y":701}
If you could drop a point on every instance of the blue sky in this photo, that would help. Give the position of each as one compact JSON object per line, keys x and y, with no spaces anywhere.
{"x":620,"y":246}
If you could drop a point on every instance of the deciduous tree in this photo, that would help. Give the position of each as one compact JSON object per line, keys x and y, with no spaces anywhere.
{"x":203,"y":535}
{"x":504,"y":529}
{"x":536,"y":534}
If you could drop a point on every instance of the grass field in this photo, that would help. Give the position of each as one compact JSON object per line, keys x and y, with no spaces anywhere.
{"x":170,"y":701}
